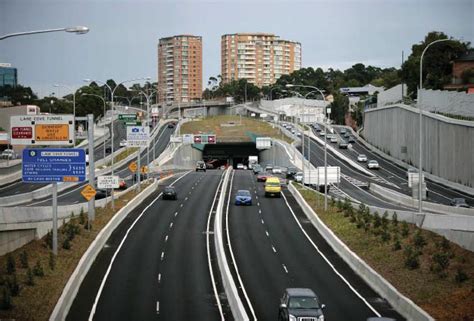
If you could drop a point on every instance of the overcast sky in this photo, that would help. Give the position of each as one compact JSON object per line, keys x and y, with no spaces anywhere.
{"x":123,"y":37}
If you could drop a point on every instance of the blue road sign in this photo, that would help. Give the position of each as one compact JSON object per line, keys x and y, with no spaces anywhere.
{"x":54,"y":165}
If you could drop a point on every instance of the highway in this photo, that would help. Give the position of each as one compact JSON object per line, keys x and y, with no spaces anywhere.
{"x":72,"y":195}
{"x":19,"y":187}
{"x":276,"y":247}
{"x":155,"y":263}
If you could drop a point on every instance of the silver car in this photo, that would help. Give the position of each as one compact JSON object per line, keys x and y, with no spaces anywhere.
{"x":373,"y":164}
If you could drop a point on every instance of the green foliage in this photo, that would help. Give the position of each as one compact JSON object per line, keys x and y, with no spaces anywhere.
{"x":385,"y":236}
{"x":6,"y":299}
{"x":10,"y":264}
{"x":24,"y":259}
{"x":82,"y":217}
{"x":339,"y":204}
{"x":48,"y":240}
{"x":384,"y":221}
{"x":411,"y":255}
{"x":339,"y":108}
{"x":418,"y":239}
{"x":377,"y":220}
{"x":52,"y":261}
{"x":18,"y":95}
{"x":396,"y":244}
{"x":13,"y":285}
{"x":405,"y":229}
{"x":440,"y":263}
{"x":38,"y":269}
{"x":67,"y":244}
{"x":30,"y":277}
{"x":395,"y":219}
{"x":461,"y":276}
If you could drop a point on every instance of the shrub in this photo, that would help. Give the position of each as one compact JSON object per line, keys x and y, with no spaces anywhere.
{"x":30,"y":277}
{"x":444,"y":244}
{"x":13,"y":285}
{"x":82,"y":217}
{"x":333,"y":202}
{"x":384,"y":221}
{"x":377,"y":220}
{"x":385,"y":236}
{"x":67,"y":244}
{"x":24,"y":259}
{"x":460,"y":276}
{"x":361,"y":209}
{"x":396,"y":244}
{"x":48,"y":240}
{"x":395,"y":219}
{"x":412,"y":261}
{"x":418,"y":239}
{"x":38,"y":269}
{"x":405,"y":231}
{"x":52,"y":261}
{"x":6,"y":299}
{"x":339,"y":205}
{"x":11,"y":264}
{"x":440,"y":263}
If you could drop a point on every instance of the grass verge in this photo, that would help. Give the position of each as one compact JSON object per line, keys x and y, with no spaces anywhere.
{"x":237,"y":130}
{"x":436,"y":274}
{"x":124,"y":154}
{"x":36,"y":302}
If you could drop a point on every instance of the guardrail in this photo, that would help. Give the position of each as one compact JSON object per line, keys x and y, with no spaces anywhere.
{"x":402,"y":304}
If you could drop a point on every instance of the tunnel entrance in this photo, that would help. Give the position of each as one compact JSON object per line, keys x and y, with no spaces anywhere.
{"x":223,"y":154}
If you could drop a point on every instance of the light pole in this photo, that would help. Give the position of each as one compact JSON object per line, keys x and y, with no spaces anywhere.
{"x":148,"y":97}
{"x":78,"y":30}
{"x":73,"y":97}
{"x":112,"y":122}
{"x":325,"y":144}
{"x":420,"y":165}
{"x":94,"y":95}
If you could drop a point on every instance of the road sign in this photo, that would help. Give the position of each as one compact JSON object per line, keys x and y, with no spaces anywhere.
{"x":197,"y":139}
{"x":263,"y":142}
{"x":144,"y":169}
{"x":204,"y":139}
{"x":127,"y":117}
{"x":138,"y":136}
{"x":54,"y":165}
{"x":88,"y":192}
{"x":154,"y":112}
{"x":414,"y":178}
{"x":42,"y":130}
{"x":108,"y":182}
{"x":133,"y":167}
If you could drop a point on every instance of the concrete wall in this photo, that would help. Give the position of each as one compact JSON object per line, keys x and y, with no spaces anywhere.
{"x":448,"y":144}
{"x":391,"y":96}
{"x":447,"y":102}
{"x":183,"y":157}
{"x":277,"y":155}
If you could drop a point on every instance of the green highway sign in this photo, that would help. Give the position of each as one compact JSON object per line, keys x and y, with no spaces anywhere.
{"x":133,"y":123}
{"x":128,"y":117}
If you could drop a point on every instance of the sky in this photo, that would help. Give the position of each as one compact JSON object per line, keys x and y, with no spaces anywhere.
{"x":123,"y":38}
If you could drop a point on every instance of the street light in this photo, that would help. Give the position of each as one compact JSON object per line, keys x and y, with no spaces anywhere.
{"x":79,"y":30}
{"x":73,"y":97}
{"x":420,"y":165}
{"x":147,"y":97}
{"x":94,"y":95}
{"x":325,"y":145}
{"x":112,"y":91}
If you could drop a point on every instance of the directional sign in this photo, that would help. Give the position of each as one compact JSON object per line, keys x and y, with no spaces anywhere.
{"x":42,"y":130}
{"x":138,"y":136}
{"x":263,"y":142}
{"x":108,"y":182}
{"x":204,"y":139}
{"x":133,"y":167}
{"x":54,"y":165}
{"x":88,"y":192}
{"x":127,"y":117}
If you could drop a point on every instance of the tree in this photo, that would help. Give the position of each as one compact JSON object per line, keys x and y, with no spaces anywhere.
{"x":339,"y":108}
{"x":436,"y":62}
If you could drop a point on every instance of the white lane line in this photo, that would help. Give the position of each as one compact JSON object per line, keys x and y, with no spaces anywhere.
{"x":162,"y":255}
{"x":159,"y":277}
{"x":75,"y":202}
{"x":256,"y":197}
{"x":171,"y":225}
{"x":258,"y":203}
{"x":109,"y":268}
{"x":259,"y":211}
{"x":157,"y":307}
{"x":186,"y":198}
{"x":263,"y":222}
{"x":327,"y":261}
{"x":181,"y":205}
{"x":284,"y":267}
{"x":192,"y":187}
{"x":268,"y":234}
{"x":175,"y":214}
{"x":274,"y":249}
{"x":166,"y":238}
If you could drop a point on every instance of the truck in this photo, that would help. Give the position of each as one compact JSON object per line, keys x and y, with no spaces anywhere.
{"x":315,"y":178}
{"x":253,"y":160}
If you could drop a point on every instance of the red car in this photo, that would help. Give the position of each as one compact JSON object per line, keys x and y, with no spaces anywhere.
{"x":263,"y":177}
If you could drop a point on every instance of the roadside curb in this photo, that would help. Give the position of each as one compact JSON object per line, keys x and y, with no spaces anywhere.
{"x":402,"y":304}
{"x":75,"y":280}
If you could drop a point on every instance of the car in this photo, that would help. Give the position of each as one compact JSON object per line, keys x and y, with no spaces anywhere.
{"x":293,"y":131}
{"x":123,"y":143}
{"x":343,"y":131}
{"x":291,"y":172}
{"x":299,"y":177}
{"x":240,"y":166}
{"x":243,"y":197}
{"x":321,"y":133}
{"x":169,"y":193}
{"x":122,"y":184}
{"x":318,"y":128}
{"x":276,"y":170}
{"x":333,"y":139}
{"x":100,"y":194}
{"x":351,"y":140}
{"x":373,"y":164}
{"x":108,"y":150}
{"x":262,"y":177}
{"x":459,"y":202}
{"x":171,"y":125}
{"x":9,"y":154}
{"x":272,"y":187}
{"x":200,"y":166}
{"x":362,"y":158}
{"x":245,"y":167}
{"x":347,"y":135}
{"x":268,"y":168}
{"x":343,"y":144}
{"x":298,"y":134}
{"x":257,"y":168}
{"x":300,"y":304}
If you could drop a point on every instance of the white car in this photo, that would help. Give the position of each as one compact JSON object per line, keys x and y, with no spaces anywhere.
{"x":321,"y":133}
{"x":333,"y":139}
{"x":298,"y":177}
{"x":123,"y":143}
{"x":298,"y":134}
{"x":362,"y":158}
{"x":240,"y":166}
{"x":8,"y":154}
{"x":373,"y":164}
{"x":276,"y":170}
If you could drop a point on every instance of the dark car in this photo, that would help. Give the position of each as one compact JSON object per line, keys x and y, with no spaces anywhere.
{"x":459,"y":202}
{"x":291,"y":172}
{"x":351,"y":140}
{"x":300,"y":304}
{"x":108,"y":150}
{"x":170,"y":125}
{"x":263,"y":177}
{"x":169,"y":193}
{"x":100,"y":194}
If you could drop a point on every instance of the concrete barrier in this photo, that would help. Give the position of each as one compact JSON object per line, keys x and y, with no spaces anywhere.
{"x":236,"y":306}
{"x":75,"y":280}
{"x":402,"y":304}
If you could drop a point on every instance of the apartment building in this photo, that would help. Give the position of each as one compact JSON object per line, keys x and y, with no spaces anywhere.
{"x":179,"y":69}
{"x":261,"y":58}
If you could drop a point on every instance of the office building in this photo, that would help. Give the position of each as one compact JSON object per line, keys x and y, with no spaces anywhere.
{"x":261,"y":58}
{"x":8,"y":75}
{"x":179,"y":69}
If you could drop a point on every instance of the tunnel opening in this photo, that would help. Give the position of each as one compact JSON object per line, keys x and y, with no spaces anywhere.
{"x":228,"y":154}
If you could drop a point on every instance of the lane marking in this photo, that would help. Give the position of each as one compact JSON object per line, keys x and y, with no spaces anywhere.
{"x":268,"y":235}
{"x":175,"y":214}
{"x":259,"y":211}
{"x":181,"y":205}
{"x":284,"y":267}
{"x":162,"y":255}
{"x":109,"y":268}
{"x":186,"y":198}
{"x":327,"y":261}
{"x":274,"y":249}
{"x":158,"y":307}
{"x":263,"y":222}
{"x":258,"y":203}
{"x":159,"y":277}
{"x":166,"y":238}
{"x":171,"y":225}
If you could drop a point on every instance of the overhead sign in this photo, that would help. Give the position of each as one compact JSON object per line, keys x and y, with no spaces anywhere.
{"x":88,"y":192}
{"x":187,"y":139}
{"x":133,"y":167}
{"x":127,"y":117}
{"x":414,"y":178}
{"x":176,"y":139}
{"x":204,"y":139}
{"x":154,"y":112}
{"x":108,"y":182}
{"x":138,"y":136}
{"x":3,"y":136}
{"x":263,"y":142}
{"x":42,"y":130}
{"x":54,"y":165}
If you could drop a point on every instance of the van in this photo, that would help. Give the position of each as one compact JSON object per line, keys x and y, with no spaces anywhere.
{"x":272,"y":187}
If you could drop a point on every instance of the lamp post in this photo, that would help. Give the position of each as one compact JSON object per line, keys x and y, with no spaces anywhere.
{"x":94,"y":95}
{"x":78,"y":30}
{"x":148,"y":97}
{"x":325,"y":144}
{"x":73,"y":97}
{"x":112,"y":122}
{"x":420,"y":165}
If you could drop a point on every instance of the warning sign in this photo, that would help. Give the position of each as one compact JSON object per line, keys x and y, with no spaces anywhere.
{"x":133,"y":167}
{"x":88,"y":192}
{"x":144,"y":169}
{"x":54,"y":132}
